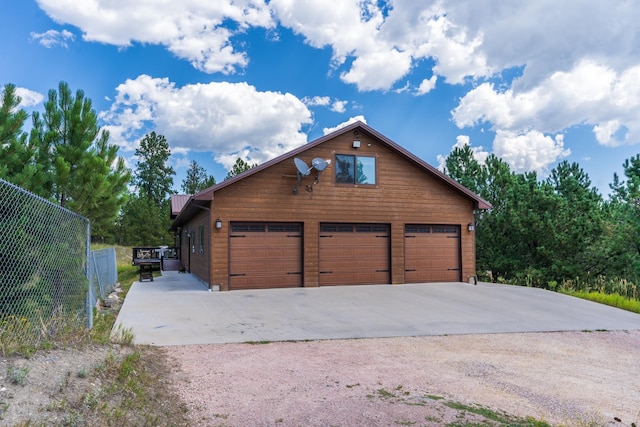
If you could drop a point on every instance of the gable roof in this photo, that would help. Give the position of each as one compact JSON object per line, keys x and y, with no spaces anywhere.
{"x":177,"y":203}
{"x":200,"y":200}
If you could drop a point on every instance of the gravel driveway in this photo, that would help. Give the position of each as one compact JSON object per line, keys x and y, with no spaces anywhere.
{"x":570,"y":378}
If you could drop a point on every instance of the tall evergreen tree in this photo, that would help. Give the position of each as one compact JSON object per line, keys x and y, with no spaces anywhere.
{"x":143,"y":223}
{"x":579,"y":223}
{"x":17,"y":156}
{"x":144,"y":220}
{"x":494,"y":239}
{"x":465,"y":169}
{"x":623,"y":224}
{"x":154,"y":176}
{"x":196,"y":179}
{"x":82,"y":170}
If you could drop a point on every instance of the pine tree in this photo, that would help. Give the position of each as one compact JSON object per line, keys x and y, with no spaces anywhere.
{"x":17,"y":156}
{"x":145,"y":220}
{"x":238,"y":167}
{"x":154,"y":177}
{"x":81,"y":170}
{"x":197,"y":179}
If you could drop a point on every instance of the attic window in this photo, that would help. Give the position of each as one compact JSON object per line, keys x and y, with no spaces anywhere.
{"x":359,"y":170}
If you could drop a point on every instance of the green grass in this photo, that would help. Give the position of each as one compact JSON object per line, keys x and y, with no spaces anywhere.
{"x":613,"y":291}
{"x":613,"y":300}
{"x":127,"y":274}
{"x":498,"y":417}
{"x":487,"y":417}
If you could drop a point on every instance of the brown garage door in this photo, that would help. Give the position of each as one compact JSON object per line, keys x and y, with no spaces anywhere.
{"x":432,"y":253}
{"x":354,"y":254}
{"x":265,"y":255}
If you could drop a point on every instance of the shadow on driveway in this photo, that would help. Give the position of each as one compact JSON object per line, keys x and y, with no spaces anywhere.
{"x":177,"y":309}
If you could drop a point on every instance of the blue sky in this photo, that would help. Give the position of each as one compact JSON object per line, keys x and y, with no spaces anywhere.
{"x":533,"y":82}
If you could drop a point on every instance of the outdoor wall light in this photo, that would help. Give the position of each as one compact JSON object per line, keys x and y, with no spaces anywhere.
{"x":356,"y":144}
{"x":471,"y":227}
{"x":218,"y":224}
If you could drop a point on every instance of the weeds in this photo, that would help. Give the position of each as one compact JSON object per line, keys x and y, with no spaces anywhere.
{"x":17,"y":374}
{"x":23,"y":336}
{"x":613,"y":291}
{"x":123,"y":336}
{"x":481,"y":415}
{"x":3,"y":408}
{"x":489,"y":414}
{"x":82,"y":373}
{"x":384,"y":394}
{"x":613,"y":300}
{"x":128,"y":388}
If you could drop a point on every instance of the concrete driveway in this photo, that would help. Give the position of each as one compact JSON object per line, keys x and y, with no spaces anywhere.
{"x":177,"y":309}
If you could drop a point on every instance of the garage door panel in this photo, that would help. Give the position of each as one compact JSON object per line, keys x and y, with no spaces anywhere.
{"x":351,"y":254}
{"x":265,"y":256}
{"x":432,"y":253}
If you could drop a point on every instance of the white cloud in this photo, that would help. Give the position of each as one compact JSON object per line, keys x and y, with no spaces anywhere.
{"x":461,"y":141}
{"x":53,"y":38}
{"x":229,"y":159}
{"x":384,"y":41}
{"x":326,"y":131}
{"x":322,"y":101}
{"x":378,"y":70}
{"x":479,"y":154}
{"x":576,"y":67}
{"x":378,"y":43}
{"x":577,"y":61}
{"x":335,"y":105}
{"x":28,"y":98}
{"x":547,"y":36}
{"x":180,"y":150}
{"x":588,"y":94}
{"x":179,"y":162}
{"x":193,"y":30}
{"x":351,"y":29}
{"x":428,"y":31}
{"x":339,"y":106}
{"x":427,"y":85}
{"x":529,"y":151}
{"x":229,"y":119}
{"x":346,"y":26}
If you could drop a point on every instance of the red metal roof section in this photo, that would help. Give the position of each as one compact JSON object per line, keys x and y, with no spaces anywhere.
{"x":177,"y":203}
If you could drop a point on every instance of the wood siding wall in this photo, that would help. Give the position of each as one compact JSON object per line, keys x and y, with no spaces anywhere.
{"x":194,"y":260}
{"x":404,"y":194}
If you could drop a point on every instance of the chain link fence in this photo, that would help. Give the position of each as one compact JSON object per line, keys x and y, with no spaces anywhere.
{"x":44,"y":274}
{"x":102,"y":274}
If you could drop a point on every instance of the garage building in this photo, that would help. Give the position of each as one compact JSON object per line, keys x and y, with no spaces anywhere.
{"x":350,"y":208}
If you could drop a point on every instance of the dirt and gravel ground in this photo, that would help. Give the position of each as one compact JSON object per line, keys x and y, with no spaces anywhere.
{"x":570,"y":378}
